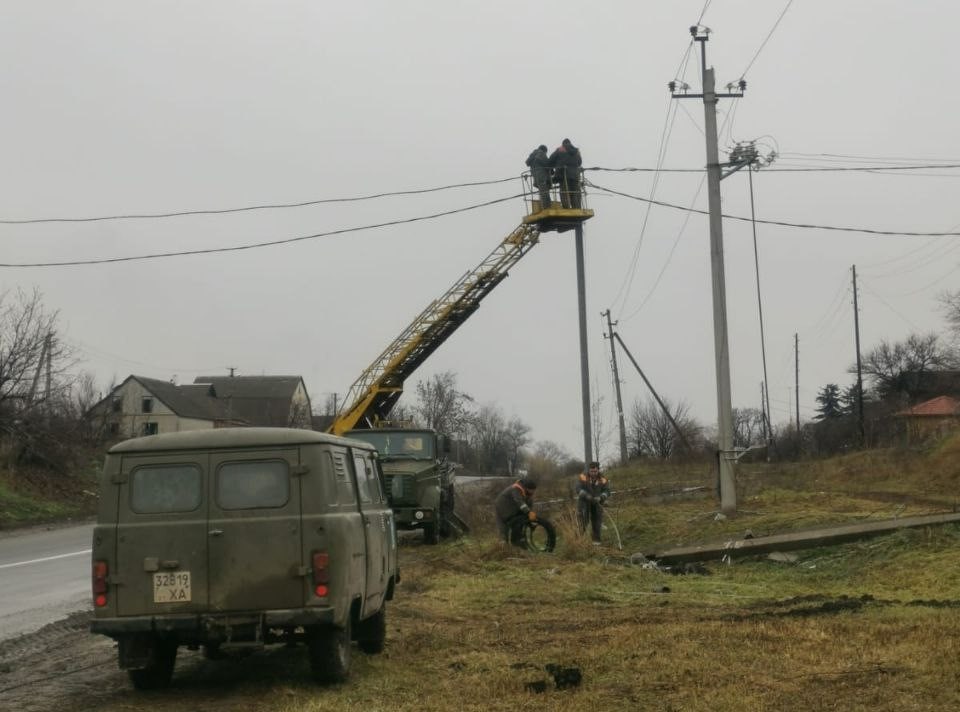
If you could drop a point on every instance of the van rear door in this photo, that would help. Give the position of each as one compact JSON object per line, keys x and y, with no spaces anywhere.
{"x":378,"y":529}
{"x":255,"y":531}
{"x":161,"y":535}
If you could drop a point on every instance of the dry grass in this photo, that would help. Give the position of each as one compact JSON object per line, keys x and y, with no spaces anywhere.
{"x":871,"y":625}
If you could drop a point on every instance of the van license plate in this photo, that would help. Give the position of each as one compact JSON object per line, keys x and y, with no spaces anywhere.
{"x":172,"y":587}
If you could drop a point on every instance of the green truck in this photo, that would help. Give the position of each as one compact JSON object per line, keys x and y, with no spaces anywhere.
{"x":418,"y":477}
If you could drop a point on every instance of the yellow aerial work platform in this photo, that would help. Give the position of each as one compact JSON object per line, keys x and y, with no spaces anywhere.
{"x":375,"y":392}
{"x":557,"y":217}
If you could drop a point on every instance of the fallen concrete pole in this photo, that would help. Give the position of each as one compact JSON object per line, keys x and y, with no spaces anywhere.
{"x":796,"y":540}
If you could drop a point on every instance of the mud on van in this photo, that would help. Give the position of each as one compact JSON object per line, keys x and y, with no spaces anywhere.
{"x":238,"y":538}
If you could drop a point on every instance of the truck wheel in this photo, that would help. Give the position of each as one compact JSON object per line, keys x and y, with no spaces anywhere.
{"x":329,"y":650}
{"x":372,"y":633}
{"x":159,"y":670}
{"x":431,"y":534}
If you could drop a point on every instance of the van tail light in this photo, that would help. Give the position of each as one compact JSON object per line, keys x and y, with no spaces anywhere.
{"x":321,"y":574}
{"x":100,"y":571}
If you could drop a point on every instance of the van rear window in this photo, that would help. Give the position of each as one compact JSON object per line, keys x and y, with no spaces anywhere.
{"x":166,"y":488}
{"x":251,"y":485}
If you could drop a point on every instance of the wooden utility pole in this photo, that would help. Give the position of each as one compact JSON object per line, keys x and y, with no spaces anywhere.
{"x":725,"y":455}
{"x":616,"y":388}
{"x":856,"y":332}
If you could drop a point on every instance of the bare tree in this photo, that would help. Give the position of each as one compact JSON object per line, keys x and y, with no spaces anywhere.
{"x":653,"y":435}
{"x":441,"y":405}
{"x":515,"y":435}
{"x":597,"y":426}
{"x":34,"y":363}
{"x":486,"y":435}
{"x":748,"y":427}
{"x":894,"y":368}
{"x":950,"y":306}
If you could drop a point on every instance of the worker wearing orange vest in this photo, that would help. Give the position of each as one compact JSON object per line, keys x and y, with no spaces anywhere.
{"x":592,"y":491}
{"x":514,"y":508}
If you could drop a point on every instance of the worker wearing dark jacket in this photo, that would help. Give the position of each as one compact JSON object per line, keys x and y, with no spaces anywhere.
{"x":566,"y":162}
{"x":592,"y":491}
{"x":514,"y":508}
{"x":540,"y":171}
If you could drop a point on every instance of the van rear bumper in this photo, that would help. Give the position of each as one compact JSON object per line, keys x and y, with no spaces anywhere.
{"x":202,"y":626}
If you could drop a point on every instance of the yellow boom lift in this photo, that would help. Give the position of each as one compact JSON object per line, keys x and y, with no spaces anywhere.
{"x":379,"y":387}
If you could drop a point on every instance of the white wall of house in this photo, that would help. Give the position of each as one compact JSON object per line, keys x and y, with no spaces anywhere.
{"x":133,"y":416}
{"x":300,"y":412}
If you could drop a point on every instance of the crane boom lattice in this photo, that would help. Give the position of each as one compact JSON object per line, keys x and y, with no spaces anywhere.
{"x":378,"y":388}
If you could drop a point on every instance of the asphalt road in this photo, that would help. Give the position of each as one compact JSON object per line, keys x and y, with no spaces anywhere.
{"x":44,"y":576}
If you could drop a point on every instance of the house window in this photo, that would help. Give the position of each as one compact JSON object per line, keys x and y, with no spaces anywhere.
{"x":150,"y":429}
{"x":117,"y":405}
{"x":146,"y":405}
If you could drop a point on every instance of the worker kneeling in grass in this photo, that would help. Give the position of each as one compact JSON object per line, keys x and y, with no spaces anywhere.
{"x":514,"y":508}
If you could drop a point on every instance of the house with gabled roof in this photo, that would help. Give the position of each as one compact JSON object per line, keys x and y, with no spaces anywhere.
{"x":148,"y":406}
{"x":932,"y":417}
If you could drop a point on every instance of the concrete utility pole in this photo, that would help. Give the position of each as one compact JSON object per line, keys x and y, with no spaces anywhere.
{"x":856,"y":331}
{"x":796,"y":377}
{"x":616,"y":388}
{"x":725,"y":454}
{"x":584,"y":364}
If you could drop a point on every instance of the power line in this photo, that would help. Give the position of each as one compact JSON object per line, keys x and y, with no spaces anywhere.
{"x":864,"y":230}
{"x":878,"y":169}
{"x":799,"y":169}
{"x":248,"y":208}
{"x":766,"y":39}
{"x":253,"y":246}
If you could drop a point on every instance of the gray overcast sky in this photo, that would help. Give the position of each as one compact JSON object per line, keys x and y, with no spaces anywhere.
{"x":130,"y":107}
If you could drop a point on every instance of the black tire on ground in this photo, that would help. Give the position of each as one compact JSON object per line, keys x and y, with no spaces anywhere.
{"x":159,"y":671}
{"x":211,"y":651}
{"x":372,"y":632}
{"x":329,"y":651}
{"x":540,"y":535}
{"x":431,"y":534}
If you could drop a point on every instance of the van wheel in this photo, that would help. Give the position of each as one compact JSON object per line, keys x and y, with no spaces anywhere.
{"x":372,"y":633}
{"x":329,"y":650}
{"x":431,"y":535}
{"x":159,"y":670}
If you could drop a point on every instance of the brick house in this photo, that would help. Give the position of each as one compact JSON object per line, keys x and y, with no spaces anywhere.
{"x":931,"y":418}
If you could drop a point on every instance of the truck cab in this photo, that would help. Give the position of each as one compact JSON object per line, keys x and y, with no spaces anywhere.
{"x":418,"y":477}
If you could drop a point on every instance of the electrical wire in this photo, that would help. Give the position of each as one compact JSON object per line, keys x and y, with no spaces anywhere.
{"x":889,"y":306}
{"x":879,"y":170}
{"x":257,"y":245}
{"x":805,"y":226}
{"x":766,"y":39}
{"x":799,"y":169}
{"x":248,"y":208}
{"x":848,"y":156}
{"x":669,"y":122}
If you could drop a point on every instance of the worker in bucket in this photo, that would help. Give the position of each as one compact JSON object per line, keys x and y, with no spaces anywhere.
{"x":514,"y":508}
{"x":593,"y":489}
{"x":566,"y":162}
{"x":540,"y":172}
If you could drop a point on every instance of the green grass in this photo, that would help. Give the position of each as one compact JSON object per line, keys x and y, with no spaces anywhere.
{"x":18,"y":509}
{"x":868,"y":625}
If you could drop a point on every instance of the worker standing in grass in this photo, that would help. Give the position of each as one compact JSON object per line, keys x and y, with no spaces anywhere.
{"x":593,"y":489}
{"x":514,"y":508}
